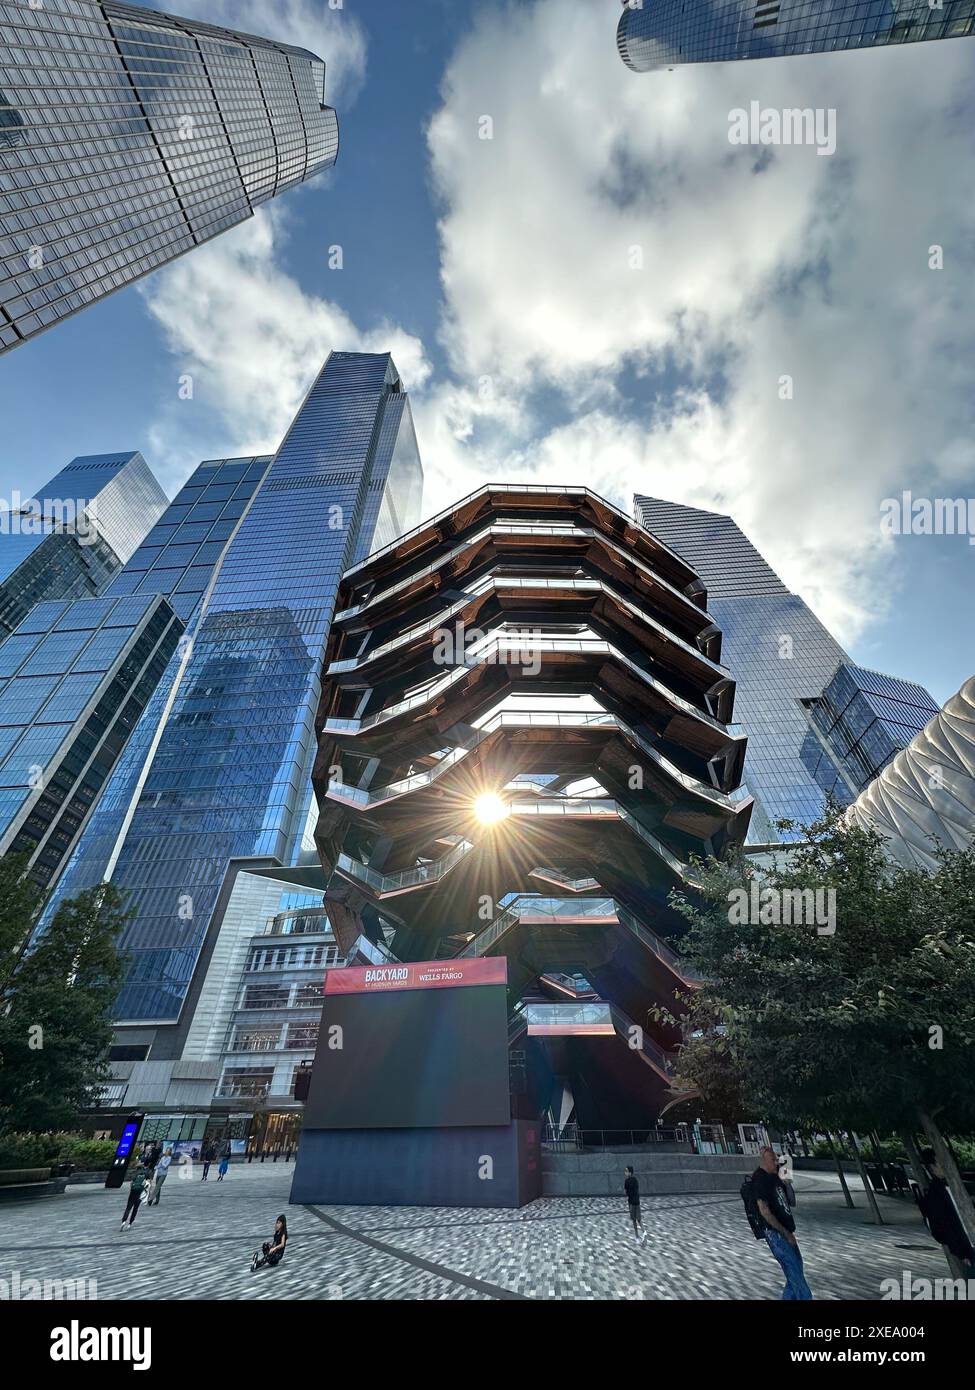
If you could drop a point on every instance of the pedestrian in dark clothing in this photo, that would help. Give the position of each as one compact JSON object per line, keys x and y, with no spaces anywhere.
{"x":272,"y":1251}
{"x":632,"y":1189}
{"x":780,"y":1225}
{"x":939,"y":1211}
{"x":136,"y":1189}
{"x":208,"y":1155}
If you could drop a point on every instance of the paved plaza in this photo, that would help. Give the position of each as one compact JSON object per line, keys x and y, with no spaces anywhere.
{"x":197,"y":1245}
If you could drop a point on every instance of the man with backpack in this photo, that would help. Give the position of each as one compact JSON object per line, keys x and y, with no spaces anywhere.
{"x":768,"y":1210}
{"x":137,"y":1189}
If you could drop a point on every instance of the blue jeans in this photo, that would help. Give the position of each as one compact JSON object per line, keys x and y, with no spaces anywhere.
{"x":790,"y":1259}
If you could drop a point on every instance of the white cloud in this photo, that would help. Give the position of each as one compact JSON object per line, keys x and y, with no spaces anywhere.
{"x":566,"y":364}
{"x":335,"y":35}
{"x":814,"y":267}
{"x":248,"y":337}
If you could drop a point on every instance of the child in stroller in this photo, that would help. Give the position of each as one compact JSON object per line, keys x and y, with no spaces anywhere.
{"x":271,"y":1252}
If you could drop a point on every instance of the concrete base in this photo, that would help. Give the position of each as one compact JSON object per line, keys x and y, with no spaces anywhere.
{"x":601,"y":1174}
{"x":497,"y":1166}
{"x":30,"y":1192}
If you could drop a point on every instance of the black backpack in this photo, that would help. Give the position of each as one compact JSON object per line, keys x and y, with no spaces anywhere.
{"x":755,"y":1219}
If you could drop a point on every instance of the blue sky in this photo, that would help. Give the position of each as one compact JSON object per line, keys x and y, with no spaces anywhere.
{"x":501,"y":274}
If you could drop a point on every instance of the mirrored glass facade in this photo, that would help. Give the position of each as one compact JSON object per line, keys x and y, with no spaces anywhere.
{"x":71,"y":538}
{"x":859,"y":723}
{"x":925,"y":797}
{"x":128,"y":137}
{"x":137,"y":637}
{"x":220,"y":766}
{"x":778,"y":651}
{"x":75,"y":679}
{"x":662,"y":33}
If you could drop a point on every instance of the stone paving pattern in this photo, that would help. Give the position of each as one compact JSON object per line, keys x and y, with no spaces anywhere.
{"x":198,"y":1242}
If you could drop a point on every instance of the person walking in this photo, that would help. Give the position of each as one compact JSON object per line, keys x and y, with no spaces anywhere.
{"x":224,"y":1165}
{"x":162,"y":1172}
{"x":772,"y":1200}
{"x":208,"y":1155}
{"x":632,"y":1189}
{"x":136,"y":1188}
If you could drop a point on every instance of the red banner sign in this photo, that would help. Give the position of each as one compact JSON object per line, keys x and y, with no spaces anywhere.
{"x":424,"y":974}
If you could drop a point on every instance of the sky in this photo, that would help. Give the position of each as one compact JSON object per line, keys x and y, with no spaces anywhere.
{"x":582,"y":279}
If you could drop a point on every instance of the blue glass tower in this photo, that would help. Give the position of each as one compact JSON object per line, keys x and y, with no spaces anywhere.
{"x":72,"y":537}
{"x":75,"y":677}
{"x":663,"y":33}
{"x":858,"y":725}
{"x":220,"y":766}
{"x":774,"y":645}
{"x":818,"y":726}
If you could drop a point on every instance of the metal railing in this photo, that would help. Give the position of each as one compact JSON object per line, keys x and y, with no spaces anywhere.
{"x":571,"y":1139}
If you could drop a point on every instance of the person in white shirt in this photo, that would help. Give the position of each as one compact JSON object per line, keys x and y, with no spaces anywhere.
{"x":162,"y":1170}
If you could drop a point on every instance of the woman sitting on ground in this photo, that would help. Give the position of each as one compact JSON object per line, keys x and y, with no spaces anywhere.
{"x":272,"y":1251}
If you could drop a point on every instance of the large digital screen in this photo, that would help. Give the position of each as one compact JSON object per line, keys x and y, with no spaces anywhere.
{"x":417,"y":1046}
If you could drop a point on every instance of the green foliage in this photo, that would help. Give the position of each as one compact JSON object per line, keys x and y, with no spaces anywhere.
{"x":56,"y":1014}
{"x":20,"y":900}
{"x":834,"y":1031}
{"x":39,"y":1150}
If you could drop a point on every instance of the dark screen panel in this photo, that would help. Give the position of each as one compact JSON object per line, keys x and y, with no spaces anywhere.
{"x":412,"y":1058}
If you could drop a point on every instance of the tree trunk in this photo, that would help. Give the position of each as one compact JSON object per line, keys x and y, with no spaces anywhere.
{"x":920,"y":1175}
{"x":914,"y":1160}
{"x":875,"y":1211}
{"x":839,"y":1168}
{"x":959,"y":1193}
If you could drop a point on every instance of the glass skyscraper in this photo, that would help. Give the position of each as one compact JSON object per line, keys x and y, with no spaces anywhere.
{"x":75,"y":677}
{"x":72,"y":537}
{"x":128,"y":137}
{"x":859,"y":724}
{"x":778,"y":651}
{"x":818,"y":725}
{"x":663,"y":33}
{"x":220,"y":766}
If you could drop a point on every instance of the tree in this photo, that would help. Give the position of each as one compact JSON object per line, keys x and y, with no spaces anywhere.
{"x":56,"y":1014}
{"x":20,"y":900}
{"x":864,"y":1020}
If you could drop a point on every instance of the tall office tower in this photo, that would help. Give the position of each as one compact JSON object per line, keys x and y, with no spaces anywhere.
{"x":77,"y":676}
{"x":72,"y":537}
{"x":817,"y":724}
{"x":128,"y":137}
{"x":655,"y":34}
{"x":219,"y":770}
{"x":778,"y":649}
{"x":858,"y":725}
{"x":524,"y":742}
{"x":925,"y":798}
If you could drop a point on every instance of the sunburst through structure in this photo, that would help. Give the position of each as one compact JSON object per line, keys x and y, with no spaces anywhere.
{"x":525,"y":742}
